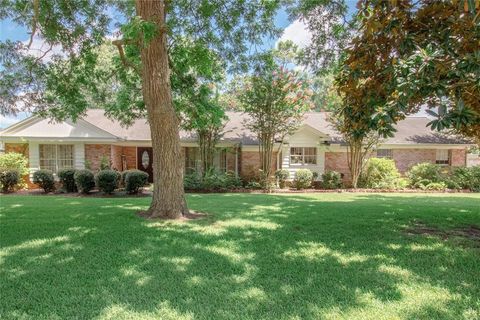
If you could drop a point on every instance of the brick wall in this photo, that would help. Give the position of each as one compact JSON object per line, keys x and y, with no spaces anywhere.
{"x":94,"y":154}
{"x":130,"y":154}
{"x":406,"y":158}
{"x":458,"y":157}
{"x":249,"y":163}
{"x":337,"y":161}
{"x":116,"y":157}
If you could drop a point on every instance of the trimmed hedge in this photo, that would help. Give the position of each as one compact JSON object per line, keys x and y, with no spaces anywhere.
{"x":67,"y":179}
{"x":303,"y":179}
{"x":45,"y":179}
{"x":282,"y":176}
{"x":84,"y":180}
{"x":107,"y":180}
{"x":381,"y":173}
{"x":212,"y":181}
{"x":332,"y":180}
{"x":135,"y":180}
{"x":9,"y":180}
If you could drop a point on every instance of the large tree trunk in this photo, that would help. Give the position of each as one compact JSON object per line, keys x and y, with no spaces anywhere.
{"x":168,"y":195}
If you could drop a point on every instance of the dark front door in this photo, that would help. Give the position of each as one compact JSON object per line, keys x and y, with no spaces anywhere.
{"x":145,"y":161}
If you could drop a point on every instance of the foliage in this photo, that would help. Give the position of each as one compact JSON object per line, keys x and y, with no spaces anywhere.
{"x":135,"y":180}
{"x":67,"y":179}
{"x":282,"y":176}
{"x":45,"y":179}
{"x":403,"y":56}
{"x":422,"y":174}
{"x":275,"y":99}
{"x":9,"y":180}
{"x":464,"y":178}
{"x":332,"y":180}
{"x":212,"y":181}
{"x":381,"y":173}
{"x":104,"y":163}
{"x":435,"y":186}
{"x":84,"y":180}
{"x":107,"y":180}
{"x":303,"y":179}
{"x":15,"y":161}
{"x":253,"y":185}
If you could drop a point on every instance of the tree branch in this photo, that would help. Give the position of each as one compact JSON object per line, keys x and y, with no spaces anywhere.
{"x":34,"y":22}
{"x":119,"y":44}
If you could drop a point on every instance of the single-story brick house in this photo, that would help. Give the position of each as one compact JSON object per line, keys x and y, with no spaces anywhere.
{"x":315,"y":145}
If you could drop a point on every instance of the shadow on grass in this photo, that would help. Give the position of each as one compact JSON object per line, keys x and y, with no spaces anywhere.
{"x":255,"y":256}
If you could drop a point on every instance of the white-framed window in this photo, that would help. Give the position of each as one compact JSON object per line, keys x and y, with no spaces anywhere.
{"x":303,"y":155}
{"x":223,"y":160}
{"x":192,"y":158}
{"x":385,"y":153}
{"x":55,"y":157}
{"x":443,"y":157}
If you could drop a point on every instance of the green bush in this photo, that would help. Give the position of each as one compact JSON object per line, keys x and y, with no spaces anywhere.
{"x":9,"y":180}
{"x":332,"y":180}
{"x":423,"y":174}
{"x":107,"y":180}
{"x":381,"y":173}
{"x":45,"y":179}
{"x":303,"y":179}
{"x":84,"y":180}
{"x":282,"y":176}
{"x":464,"y":178}
{"x":438,"y":186}
{"x":67,"y":179}
{"x":253,"y":185}
{"x":135,"y":180}
{"x":17,"y":162}
{"x":212,"y":181}
{"x":104,"y":163}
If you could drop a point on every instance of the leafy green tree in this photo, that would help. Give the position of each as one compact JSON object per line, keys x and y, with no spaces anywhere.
{"x":157,"y":42}
{"x":276,"y":100}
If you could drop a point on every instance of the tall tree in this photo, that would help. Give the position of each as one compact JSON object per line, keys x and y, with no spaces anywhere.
{"x":151,"y":30}
{"x":275,"y":99}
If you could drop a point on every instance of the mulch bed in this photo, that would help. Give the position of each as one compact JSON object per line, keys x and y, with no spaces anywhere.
{"x":146,"y":193}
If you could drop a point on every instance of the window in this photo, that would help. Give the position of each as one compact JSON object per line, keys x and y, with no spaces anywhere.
{"x":385,"y":153}
{"x":223,"y":160}
{"x":443,"y":157}
{"x":55,"y":157}
{"x":191,"y":159}
{"x":300,"y":155}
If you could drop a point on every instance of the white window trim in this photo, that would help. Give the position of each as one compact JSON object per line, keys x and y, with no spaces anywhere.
{"x":56,"y":159}
{"x":303,"y":164}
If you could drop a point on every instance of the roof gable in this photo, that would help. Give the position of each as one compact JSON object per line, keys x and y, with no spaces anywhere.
{"x":36,"y":127}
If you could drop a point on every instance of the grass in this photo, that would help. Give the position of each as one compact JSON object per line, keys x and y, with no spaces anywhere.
{"x":317,"y":256}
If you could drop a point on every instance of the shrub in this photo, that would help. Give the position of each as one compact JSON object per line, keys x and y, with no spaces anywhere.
{"x":332,"y":180}
{"x":9,"y":180}
{"x":104,"y":163}
{"x":464,"y":178}
{"x":135,"y":180}
{"x":439,"y":186}
{"x":303,"y":179}
{"x":422,"y":174}
{"x":381,"y":173}
{"x":192,"y":181}
{"x":45,"y":179}
{"x":474,"y":179}
{"x":107,"y":180}
{"x":253,"y":185}
{"x":84,"y":180}
{"x":67,"y":179}
{"x":282,"y":176}
{"x":17,"y":162}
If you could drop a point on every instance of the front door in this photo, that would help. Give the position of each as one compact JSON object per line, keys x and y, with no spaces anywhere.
{"x":145,"y":161}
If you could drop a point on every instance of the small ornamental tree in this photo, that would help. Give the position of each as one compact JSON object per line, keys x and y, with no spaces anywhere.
{"x":275,"y":99}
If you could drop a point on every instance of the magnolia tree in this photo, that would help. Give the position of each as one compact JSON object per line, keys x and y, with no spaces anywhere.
{"x":275,"y":99}
{"x":157,"y":43}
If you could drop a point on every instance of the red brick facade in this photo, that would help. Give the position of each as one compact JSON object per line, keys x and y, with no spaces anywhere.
{"x":406,"y":158}
{"x":249,"y":164}
{"x":337,"y":161}
{"x":120,"y":157}
{"x":458,"y":157}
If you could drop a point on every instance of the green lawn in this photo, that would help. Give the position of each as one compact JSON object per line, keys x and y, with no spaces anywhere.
{"x":322,"y":256}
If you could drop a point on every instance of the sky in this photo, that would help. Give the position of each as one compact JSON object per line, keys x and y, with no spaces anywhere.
{"x":295,"y":31}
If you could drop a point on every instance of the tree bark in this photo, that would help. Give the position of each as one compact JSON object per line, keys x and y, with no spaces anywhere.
{"x":168,"y":195}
